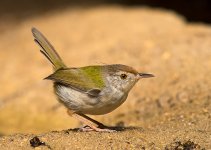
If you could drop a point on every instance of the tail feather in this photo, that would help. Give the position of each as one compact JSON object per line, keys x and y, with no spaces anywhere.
{"x":47,"y":49}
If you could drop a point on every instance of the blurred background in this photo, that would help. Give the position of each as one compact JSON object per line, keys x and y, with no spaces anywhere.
{"x":192,"y":10}
{"x":170,"y":39}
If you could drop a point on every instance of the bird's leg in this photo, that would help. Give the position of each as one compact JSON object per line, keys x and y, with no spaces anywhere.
{"x":91,"y":123}
{"x":92,"y":120}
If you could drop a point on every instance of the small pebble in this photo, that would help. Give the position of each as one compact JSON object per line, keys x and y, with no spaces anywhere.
{"x":35,"y":142}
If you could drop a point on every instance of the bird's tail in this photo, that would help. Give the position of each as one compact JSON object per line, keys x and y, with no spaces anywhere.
{"x":47,"y":49}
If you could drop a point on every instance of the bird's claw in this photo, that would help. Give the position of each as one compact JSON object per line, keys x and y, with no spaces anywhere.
{"x":97,"y":129}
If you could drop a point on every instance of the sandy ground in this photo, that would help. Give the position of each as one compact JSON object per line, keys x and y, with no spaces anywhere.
{"x":172,"y":110}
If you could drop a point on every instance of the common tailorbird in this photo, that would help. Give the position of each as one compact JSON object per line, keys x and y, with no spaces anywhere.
{"x":92,"y":90}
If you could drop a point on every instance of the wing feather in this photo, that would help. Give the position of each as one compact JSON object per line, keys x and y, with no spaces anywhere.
{"x":85,"y":79}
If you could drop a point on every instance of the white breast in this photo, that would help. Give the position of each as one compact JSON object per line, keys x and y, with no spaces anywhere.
{"x":109,"y":99}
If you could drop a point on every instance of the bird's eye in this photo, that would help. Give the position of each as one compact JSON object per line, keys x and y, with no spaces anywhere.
{"x":123,"y":76}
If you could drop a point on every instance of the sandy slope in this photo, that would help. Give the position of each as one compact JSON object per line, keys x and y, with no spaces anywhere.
{"x":170,"y":110}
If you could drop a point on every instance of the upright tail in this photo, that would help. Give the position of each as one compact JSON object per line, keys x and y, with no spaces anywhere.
{"x":47,"y":49}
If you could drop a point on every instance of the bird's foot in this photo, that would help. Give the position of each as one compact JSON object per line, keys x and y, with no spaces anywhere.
{"x":105,"y":130}
{"x":85,"y":129}
{"x":97,"y":129}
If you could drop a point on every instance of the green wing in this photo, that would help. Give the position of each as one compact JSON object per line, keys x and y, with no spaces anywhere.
{"x":87,"y":79}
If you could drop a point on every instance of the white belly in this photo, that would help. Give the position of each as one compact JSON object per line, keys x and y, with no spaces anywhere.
{"x":108,"y":100}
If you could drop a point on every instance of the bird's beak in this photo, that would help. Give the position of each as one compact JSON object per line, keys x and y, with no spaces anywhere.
{"x":145,"y":75}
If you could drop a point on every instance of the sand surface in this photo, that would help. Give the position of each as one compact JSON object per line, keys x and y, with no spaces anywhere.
{"x":172,"y":110}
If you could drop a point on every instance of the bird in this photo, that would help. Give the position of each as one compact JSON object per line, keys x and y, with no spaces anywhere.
{"x":88,"y":90}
